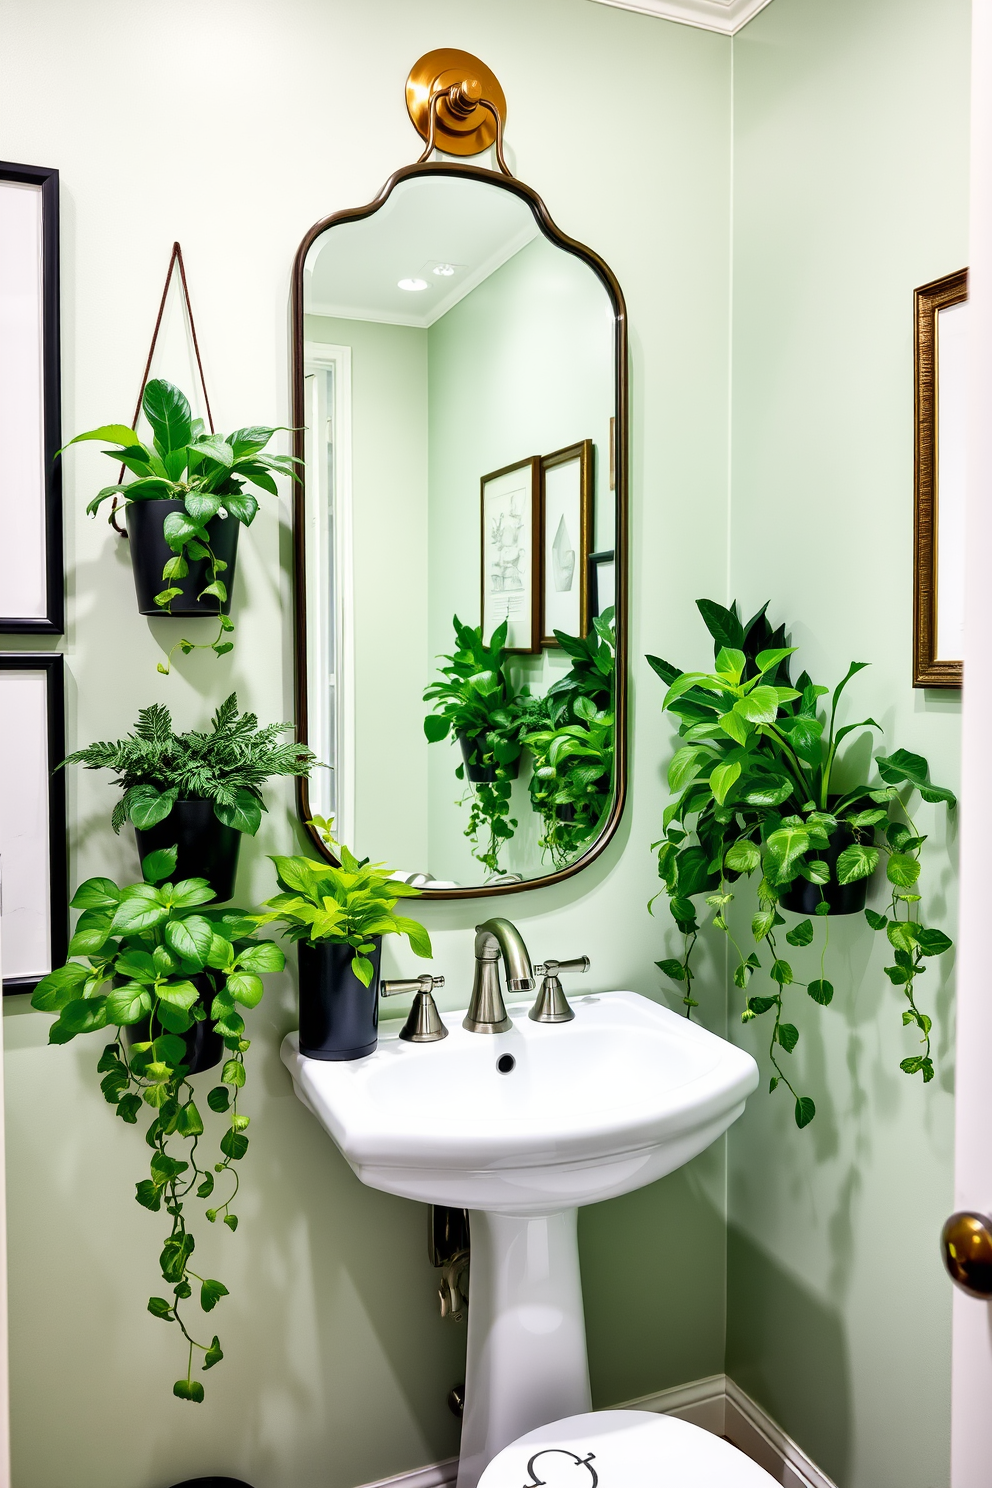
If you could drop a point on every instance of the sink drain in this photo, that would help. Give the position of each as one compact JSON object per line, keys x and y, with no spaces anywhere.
{"x":505,"y":1063}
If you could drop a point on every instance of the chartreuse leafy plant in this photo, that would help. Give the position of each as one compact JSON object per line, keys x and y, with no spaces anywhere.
{"x":343,"y":906}
{"x":570,"y":733}
{"x":208,"y":473}
{"x":755,"y":794}
{"x":228,"y":765}
{"x":476,"y":701}
{"x":132,"y":961}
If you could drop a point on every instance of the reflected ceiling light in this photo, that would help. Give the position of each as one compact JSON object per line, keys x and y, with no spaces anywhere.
{"x":412,"y":284}
{"x":444,"y":271}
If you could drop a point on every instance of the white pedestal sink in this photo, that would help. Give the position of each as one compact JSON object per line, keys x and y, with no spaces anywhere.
{"x":581,"y":1111}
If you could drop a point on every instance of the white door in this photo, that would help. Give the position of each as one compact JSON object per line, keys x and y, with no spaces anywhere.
{"x":971,"y":1376}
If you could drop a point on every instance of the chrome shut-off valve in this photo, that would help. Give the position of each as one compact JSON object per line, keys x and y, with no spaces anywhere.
{"x":424,"y":1025}
{"x":552,"y":1005}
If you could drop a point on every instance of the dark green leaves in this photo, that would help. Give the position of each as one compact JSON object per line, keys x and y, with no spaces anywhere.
{"x":160,"y":1308}
{"x":805,"y":1111}
{"x":191,"y":939}
{"x":190,"y":1389}
{"x":802,"y":934}
{"x":234,"y":1145}
{"x":821,"y":992}
{"x":159,"y":865}
{"x":210,"y":1294}
{"x":876,"y":921}
{"x":168,"y":412}
{"x":218,"y":1099}
{"x":673,"y":969}
{"x":932,"y":942}
{"x":787,"y":1034}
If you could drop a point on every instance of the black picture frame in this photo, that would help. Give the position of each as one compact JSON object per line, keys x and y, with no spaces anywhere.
{"x":602,"y":559}
{"x":53,"y":665}
{"x":52,"y":623}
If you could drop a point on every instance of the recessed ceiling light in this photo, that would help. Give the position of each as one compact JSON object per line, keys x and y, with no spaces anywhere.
{"x":412,"y":284}
{"x":444,"y":271}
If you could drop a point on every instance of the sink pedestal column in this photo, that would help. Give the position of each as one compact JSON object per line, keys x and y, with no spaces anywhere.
{"x":526,"y":1361}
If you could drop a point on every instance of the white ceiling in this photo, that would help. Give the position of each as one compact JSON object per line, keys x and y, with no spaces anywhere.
{"x":726,"y":16}
{"x":353,"y":270}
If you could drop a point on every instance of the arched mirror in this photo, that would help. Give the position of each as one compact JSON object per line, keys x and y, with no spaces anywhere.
{"x":460,"y":535}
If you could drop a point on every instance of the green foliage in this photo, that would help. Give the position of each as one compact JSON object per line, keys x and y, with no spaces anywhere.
{"x":208,"y":473}
{"x":569,"y":733}
{"x":228,"y":765}
{"x":753,"y":786}
{"x":344,"y":906}
{"x":132,"y":959}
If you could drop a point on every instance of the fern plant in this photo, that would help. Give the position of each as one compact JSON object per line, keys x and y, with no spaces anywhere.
{"x":228,"y":765}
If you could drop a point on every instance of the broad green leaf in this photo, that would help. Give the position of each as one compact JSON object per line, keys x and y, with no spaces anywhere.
{"x":730,"y":663}
{"x":234,"y":1145}
{"x":933,"y":942}
{"x":201,"y":506}
{"x":902,"y":935}
{"x":815,"y":870}
{"x":738,"y":728}
{"x":765,"y":660}
{"x":213,"y":447}
{"x":759,"y":1005}
{"x":876,"y":921}
{"x":211,"y":1293}
{"x":743,"y":857}
{"x":189,"y":1122}
{"x":261,"y":957}
{"x":59,"y":987}
{"x":147,"y":807}
{"x":722,"y":624}
{"x":296,"y":873}
{"x":191,"y":891}
{"x":787,"y":1034}
{"x":187,"y":1389}
{"x":420,"y":941}
{"x":178,"y":994}
{"x":213,"y":1355}
{"x":784,"y":847}
{"x":821,"y":992}
{"x":245,"y":988}
{"x":759,"y":706}
{"x":218,"y":1099}
{"x":723,"y":779}
{"x":159,"y":865}
{"x":762,"y":923}
{"x":168,"y":411}
{"x":685,"y":766}
{"x":136,"y":914}
{"x":244,"y":814}
{"x":109,"y":433}
{"x":902,"y":869}
{"x":902,"y":765}
{"x":233,"y":1073}
{"x":673,"y":969}
{"x":96,"y":893}
{"x":129,"y":1004}
{"x":802,"y":934}
{"x":191,"y":939}
{"x":857,"y":861}
{"x":805,"y":1111}
{"x":777,"y":790}
{"x":935,"y":794}
{"x":83,"y":1016}
{"x":781,"y":972}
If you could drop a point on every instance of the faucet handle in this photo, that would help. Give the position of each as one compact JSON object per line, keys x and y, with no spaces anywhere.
{"x":552,"y":968}
{"x":409,"y":984}
{"x":423,"y":1026}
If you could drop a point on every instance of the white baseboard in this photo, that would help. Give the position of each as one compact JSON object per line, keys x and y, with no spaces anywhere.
{"x":716,"y":1404}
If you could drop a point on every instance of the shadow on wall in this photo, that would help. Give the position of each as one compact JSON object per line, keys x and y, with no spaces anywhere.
{"x":812,"y":1401}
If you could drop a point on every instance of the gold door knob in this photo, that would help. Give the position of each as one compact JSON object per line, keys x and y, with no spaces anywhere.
{"x":966,"y":1248}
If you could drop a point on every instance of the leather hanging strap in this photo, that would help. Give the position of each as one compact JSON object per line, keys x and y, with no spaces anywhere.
{"x":177,"y":258}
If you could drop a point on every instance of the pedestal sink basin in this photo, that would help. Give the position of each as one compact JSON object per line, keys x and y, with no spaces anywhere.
{"x":520,"y":1128}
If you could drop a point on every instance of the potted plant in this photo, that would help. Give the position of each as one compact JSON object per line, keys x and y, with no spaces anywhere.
{"x":756,"y":792}
{"x":199,"y":790}
{"x":338,"y":916}
{"x":570,"y":733}
{"x":476,"y":702}
{"x":153,"y":956}
{"x":187,"y":486}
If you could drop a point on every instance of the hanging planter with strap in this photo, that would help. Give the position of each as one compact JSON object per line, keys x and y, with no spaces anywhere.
{"x":188,"y":497}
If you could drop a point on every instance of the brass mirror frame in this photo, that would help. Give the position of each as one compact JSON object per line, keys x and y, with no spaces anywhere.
{"x":434,"y":168}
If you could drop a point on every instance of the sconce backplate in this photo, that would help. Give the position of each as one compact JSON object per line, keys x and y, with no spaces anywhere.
{"x":455,"y":133}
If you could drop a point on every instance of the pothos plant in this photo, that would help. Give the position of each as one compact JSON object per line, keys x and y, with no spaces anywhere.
{"x":342,"y":906}
{"x":476,"y":702}
{"x":570,"y":733}
{"x":208,"y":473}
{"x":132,"y":961}
{"x":755,"y":791}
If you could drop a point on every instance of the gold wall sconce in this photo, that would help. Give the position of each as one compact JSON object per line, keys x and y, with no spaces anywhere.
{"x":456,"y":103}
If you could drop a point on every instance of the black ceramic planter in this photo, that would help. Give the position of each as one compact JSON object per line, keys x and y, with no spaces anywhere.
{"x":207,"y":848}
{"x":204,"y":1047}
{"x":802,"y":897}
{"x":150,"y":553}
{"x":339,"y":1018}
{"x":475,"y":770}
{"x":212,"y":1483}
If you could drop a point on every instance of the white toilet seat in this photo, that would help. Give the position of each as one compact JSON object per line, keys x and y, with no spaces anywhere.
{"x":622,"y":1449}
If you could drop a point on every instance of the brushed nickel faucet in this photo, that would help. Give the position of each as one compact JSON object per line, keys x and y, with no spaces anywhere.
{"x":487,"y":1013}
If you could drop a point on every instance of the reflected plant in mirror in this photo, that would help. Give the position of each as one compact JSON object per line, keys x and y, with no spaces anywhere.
{"x":761,"y":788}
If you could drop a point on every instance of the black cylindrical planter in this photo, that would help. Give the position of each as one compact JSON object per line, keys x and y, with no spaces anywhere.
{"x":475,"y":770}
{"x":802,"y":897}
{"x":204,"y":1047}
{"x":150,"y":553}
{"x":339,"y":1018}
{"x":212,"y":1483}
{"x":207,"y":848}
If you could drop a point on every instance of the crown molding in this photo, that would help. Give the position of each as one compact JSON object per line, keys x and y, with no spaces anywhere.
{"x":725,"y":16}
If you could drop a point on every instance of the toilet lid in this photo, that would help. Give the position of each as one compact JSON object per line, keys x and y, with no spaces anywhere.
{"x":622,"y":1449}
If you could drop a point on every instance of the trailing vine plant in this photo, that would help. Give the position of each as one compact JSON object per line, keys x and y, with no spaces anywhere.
{"x":151,"y":958}
{"x":754,"y":782}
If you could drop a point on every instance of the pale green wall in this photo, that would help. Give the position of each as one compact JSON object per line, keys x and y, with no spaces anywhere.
{"x":336,"y":1366}
{"x":850,"y":188}
{"x":390,"y":549}
{"x":524,"y":365}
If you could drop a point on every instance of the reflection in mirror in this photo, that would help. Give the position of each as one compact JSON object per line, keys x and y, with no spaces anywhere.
{"x":459,"y":531}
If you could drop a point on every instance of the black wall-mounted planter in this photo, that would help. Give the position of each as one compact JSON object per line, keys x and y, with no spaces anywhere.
{"x":207,"y":848}
{"x":150,"y":553}
{"x":802,"y":897}
{"x":475,"y":770}
{"x":212,"y":1483}
{"x":339,"y":1018}
{"x":204,"y":1047}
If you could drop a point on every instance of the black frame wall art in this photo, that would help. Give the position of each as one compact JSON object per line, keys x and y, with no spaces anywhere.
{"x":31,"y":575}
{"x":33,"y":854}
{"x":566,"y":518}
